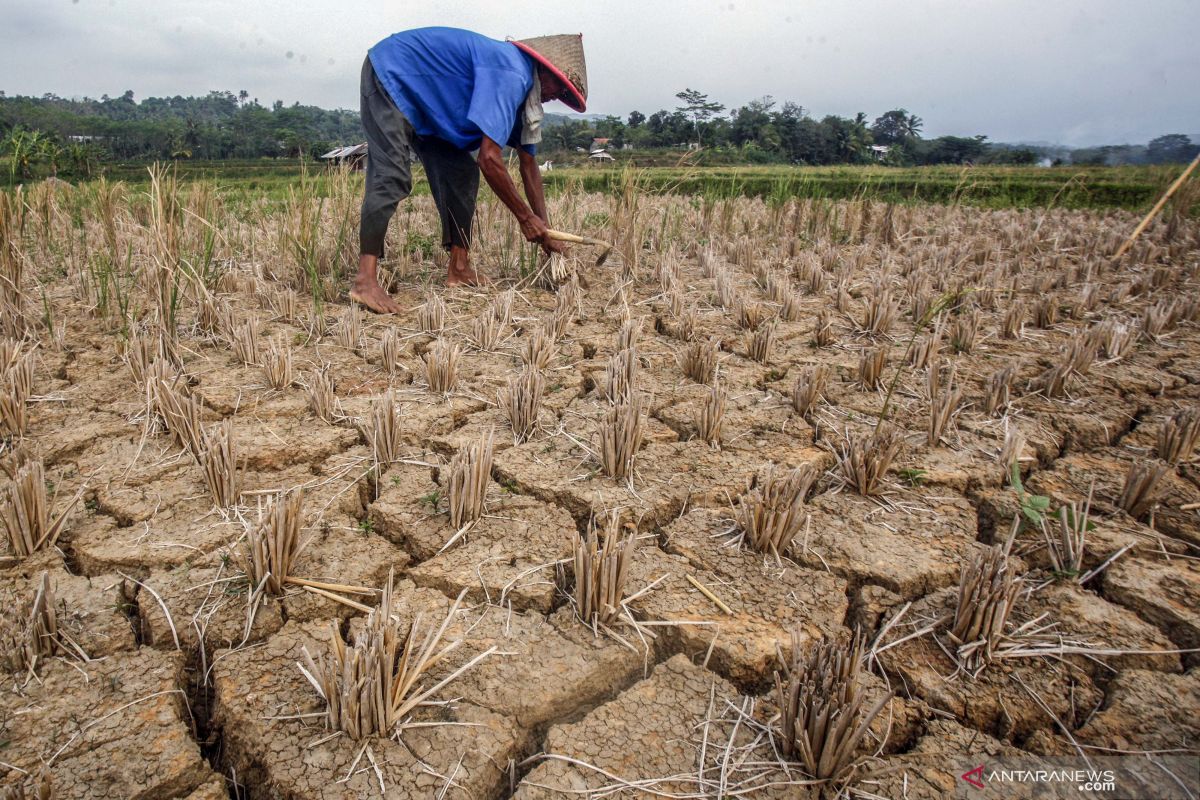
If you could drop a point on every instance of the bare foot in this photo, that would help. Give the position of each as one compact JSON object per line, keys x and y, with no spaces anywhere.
{"x":373,"y":297}
{"x":465,"y":277}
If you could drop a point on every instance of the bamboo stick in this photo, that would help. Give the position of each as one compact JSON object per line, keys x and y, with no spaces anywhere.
{"x":704,"y":590}
{"x":1162,"y":201}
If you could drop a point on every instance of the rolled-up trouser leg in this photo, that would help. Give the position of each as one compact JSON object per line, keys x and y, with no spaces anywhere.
{"x":454,"y":183}
{"x":389,"y":161}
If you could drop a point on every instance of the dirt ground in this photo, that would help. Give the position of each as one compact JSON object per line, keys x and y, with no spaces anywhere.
{"x":187,"y":691}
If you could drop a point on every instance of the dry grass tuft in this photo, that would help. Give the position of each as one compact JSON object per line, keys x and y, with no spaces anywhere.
{"x":601,"y":571}
{"x":244,"y":341}
{"x":539,"y":350}
{"x":944,"y":403}
{"x":710,"y":415}
{"x":824,"y":718}
{"x":1114,"y":339}
{"x":16,"y":387}
{"x":771,"y":514}
{"x":1142,"y":487}
{"x":277,"y":365}
{"x":322,"y":400}
{"x":870,"y":368}
{"x":25,"y":514}
{"x":349,"y":329}
{"x":999,"y":393}
{"x":522,"y":401}
{"x":1014,"y":321}
{"x":620,"y":376}
{"x":389,"y":351}
{"x":1010,"y":453}
{"x":864,"y":461}
{"x":809,"y":388}
{"x":273,"y":543}
{"x":749,"y":315}
{"x":621,"y":437}
{"x":487,"y":329}
{"x":24,"y":643}
{"x":181,"y":413}
{"x":761,"y":343}
{"x":964,"y":331}
{"x":470,"y":473}
{"x":431,"y":316}
{"x":1045,"y":312}
{"x":1178,"y":436}
{"x":987,"y":592}
{"x":1066,"y":549}
{"x":384,"y":431}
{"x":699,"y":361}
{"x":823,"y":333}
{"x":218,"y":458}
{"x":441,"y":366}
{"x":880,"y":311}
{"x":372,"y":687}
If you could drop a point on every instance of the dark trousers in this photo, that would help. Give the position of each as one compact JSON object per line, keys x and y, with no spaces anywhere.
{"x":391,"y":142}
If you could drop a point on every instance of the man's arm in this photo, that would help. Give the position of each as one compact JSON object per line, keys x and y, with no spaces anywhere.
{"x":531,"y":177}
{"x":532,"y":221}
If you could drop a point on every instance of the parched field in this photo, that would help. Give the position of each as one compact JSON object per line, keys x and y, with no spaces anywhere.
{"x":630,"y":530}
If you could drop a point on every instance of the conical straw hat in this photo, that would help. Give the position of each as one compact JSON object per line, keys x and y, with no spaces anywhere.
{"x":562,"y":55}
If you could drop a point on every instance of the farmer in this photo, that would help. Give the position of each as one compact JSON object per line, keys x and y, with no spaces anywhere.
{"x":444,"y":93}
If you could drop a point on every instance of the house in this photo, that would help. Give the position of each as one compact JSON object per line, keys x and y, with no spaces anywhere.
{"x":354,"y":155}
{"x":600,"y":156}
{"x":880,"y":151}
{"x":599,"y":145}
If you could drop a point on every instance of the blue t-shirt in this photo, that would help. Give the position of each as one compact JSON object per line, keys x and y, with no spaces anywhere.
{"x":456,"y":85}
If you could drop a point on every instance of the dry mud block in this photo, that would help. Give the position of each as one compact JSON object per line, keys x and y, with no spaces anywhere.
{"x":1164,"y":593}
{"x":260,"y":692}
{"x":275,"y":444}
{"x":507,"y":557}
{"x":91,"y":612}
{"x":1072,"y":477}
{"x":115,"y":727}
{"x":420,"y":413}
{"x":768,"y":601}
{"x":542,"y":671}
{"x":931,"y":769}
{"x":211,"y":604}
{"x":654,"y":736}
{"x":667,"y":476}
{"x":1006,"y":699}
{"x":910,"y":550}
{"x":1147,"y":711}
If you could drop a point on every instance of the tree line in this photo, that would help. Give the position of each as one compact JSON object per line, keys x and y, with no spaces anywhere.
{"x":51,"y":134}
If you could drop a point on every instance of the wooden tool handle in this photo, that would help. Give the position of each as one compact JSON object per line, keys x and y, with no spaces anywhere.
{"x":563,"y":236}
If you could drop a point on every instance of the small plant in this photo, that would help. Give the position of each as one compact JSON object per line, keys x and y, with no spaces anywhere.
{"x":431,"y":316}
{"x":699,"y":361}
{"x":710,"y":415}
{"x":1142,"y":487}
{"x":522,"y":401}
{"x":441,"y":366}
{"x":863,"y":461}
{"x":218,"y":458}
{"x":28,"y":526}
{"x":273,"y":543}
{"x":1032,"y":506}
{"x":1178,"y":436}
{"x":621,"y":437}
{"x":987,"y":593}
{"x":600,"y":572}
{"x":470,"y":473}
{"x":824,"y":716}
{"x":870,"y":368}
{"x":772,"y":513}
{"x":373,"y":686}
{"x":913,"y":476}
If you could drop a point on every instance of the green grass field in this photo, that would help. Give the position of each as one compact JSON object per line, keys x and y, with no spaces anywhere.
{"x":1130,"y":188}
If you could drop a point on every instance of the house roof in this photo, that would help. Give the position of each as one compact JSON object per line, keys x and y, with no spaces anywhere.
{"x":347,"y":151}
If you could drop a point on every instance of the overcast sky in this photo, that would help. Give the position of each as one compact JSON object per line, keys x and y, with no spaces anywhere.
{"x":1078,"y":72}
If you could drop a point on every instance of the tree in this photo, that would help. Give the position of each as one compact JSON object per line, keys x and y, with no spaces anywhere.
{"x":636,"y":118}
{"x":897,"y":127}
{"x":697,"y":106}
{"x":1174,"y":148}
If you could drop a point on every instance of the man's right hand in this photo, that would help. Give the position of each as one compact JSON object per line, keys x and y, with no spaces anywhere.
{"x":533,"y":228}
